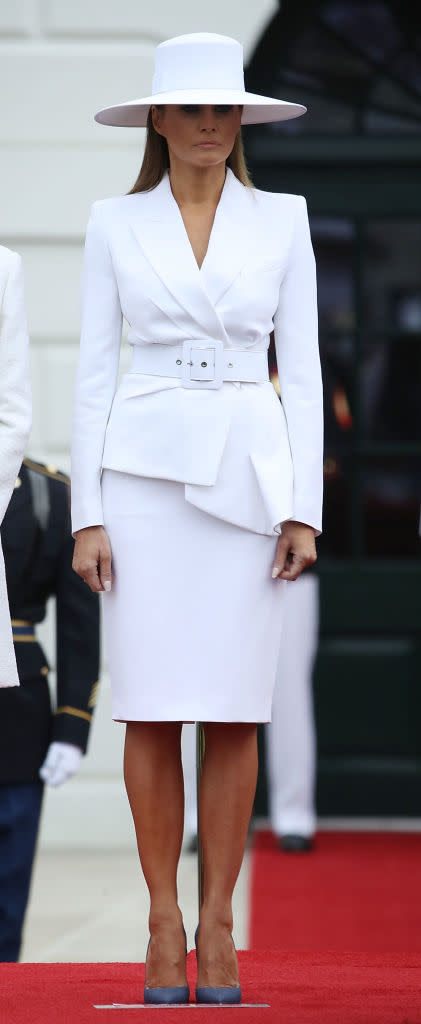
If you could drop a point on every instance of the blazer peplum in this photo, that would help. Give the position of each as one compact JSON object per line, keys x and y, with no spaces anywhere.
{"x":15,"y":421}
{"x":242,"y":454}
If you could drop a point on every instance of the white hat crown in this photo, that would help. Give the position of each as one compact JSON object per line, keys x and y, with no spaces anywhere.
{"x":200,"y":60}
{"x":199,"y":69}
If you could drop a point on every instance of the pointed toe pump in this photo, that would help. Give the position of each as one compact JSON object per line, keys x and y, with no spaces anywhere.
{"x":176,"y":994}
{"x":168,"y":994}
{"x":220,"y":994}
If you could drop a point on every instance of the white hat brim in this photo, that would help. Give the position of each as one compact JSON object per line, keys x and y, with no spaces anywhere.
{"x":256,"y":109}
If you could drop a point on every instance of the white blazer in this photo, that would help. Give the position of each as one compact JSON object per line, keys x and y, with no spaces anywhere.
{"x":242,"y":455}
{"x":15,"y":421}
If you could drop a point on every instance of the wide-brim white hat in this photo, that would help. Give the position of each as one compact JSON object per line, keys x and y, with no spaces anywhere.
{"x":200,"y":69}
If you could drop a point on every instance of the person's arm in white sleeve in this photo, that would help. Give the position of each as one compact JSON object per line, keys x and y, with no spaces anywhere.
{"x":96,"y":379}
{"x":300,"y":382}
{"x":15,"y":387}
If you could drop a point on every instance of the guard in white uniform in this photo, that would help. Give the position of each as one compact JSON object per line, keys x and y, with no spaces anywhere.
{"x":291,"y":736}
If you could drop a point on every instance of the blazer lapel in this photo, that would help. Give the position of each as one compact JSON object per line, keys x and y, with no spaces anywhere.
{"x":232,"y":238}
{"x":159,"y":229}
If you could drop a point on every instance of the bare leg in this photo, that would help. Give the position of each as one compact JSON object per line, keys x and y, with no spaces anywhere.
{"x":227,"y":791}
{"x":154,"y":781}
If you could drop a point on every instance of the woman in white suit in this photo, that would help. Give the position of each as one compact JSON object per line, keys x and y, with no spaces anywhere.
{"x":15,"y":421}
{"x":191,"y":476}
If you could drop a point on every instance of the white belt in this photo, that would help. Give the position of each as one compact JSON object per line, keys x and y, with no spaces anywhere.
{"x":200,"y":364}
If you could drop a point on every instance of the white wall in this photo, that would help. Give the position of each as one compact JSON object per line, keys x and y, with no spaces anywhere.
{"x":60,"y":60}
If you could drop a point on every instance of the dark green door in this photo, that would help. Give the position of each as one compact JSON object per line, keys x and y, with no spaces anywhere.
{"x":366,"y":229}
{"x":356,"y":156}
{"x":367,"y":678}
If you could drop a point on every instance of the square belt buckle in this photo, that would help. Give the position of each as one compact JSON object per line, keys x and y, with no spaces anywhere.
{"x":203,"y":364}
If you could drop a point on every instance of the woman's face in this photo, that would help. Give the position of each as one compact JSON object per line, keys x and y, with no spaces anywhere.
{"x":201,"y":136}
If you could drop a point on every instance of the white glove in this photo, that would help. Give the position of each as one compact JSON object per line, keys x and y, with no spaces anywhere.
{"x":61,"y":762}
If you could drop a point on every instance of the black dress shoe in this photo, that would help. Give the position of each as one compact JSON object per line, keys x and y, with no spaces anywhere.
{"x":295,"y":844}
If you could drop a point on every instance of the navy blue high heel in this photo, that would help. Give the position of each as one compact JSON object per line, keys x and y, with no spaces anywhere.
{"x":220,"y":994}
{"x":178,"y":994}
{"x":166,"y":994}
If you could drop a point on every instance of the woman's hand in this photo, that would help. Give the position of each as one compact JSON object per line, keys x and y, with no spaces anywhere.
{"x":92,"y":558}
{"x":295,"y":550}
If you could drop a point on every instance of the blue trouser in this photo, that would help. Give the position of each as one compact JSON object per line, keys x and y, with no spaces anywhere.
{"x":20,"y":809}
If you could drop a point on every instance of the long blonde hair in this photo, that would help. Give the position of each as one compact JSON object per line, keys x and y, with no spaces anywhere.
{"x":156,"y":161}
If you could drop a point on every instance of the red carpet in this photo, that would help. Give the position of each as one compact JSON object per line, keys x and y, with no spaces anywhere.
{"x":306,"y":988}
{"x":354,"y":892}
{"x":354,"y":905}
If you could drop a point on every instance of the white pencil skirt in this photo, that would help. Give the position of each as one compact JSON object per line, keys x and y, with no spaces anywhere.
{"x":193,"y":620}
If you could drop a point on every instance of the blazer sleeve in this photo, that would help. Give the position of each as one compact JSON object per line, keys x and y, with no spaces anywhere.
{"x":97,"y":372}
{"x":15,"y":388}
{"x":300,"y":382}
